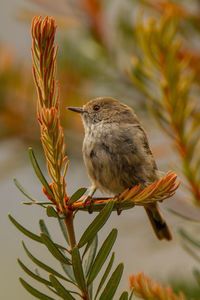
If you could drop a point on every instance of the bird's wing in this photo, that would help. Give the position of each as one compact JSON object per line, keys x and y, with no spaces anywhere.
{"x":135,"y":156}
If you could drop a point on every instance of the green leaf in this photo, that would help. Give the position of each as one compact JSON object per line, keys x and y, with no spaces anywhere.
{"x":33,"y":275}
{"x":33,"y":291}
{"x":54,"y":249}
{"x":51,"y":212}
{"x":55,"y":292}
{"x":87,"y":248}
{"x":43,"y":228}
{"x":52,"y":290}
{"x":90,"y":291}
{"x":68,"y":271}
{"x":40,"y":203}
{"x":112,"y":284}
{"x":189,"y":238}
{"x":23,"y":191}
{"x":63,"y":229}
{"x":77,"y":267}
{"x":28,"y":233}
{"x":102,"y":255}
{"x":37,"y":272}
{"x":131,"y":294}
{"x":124,"y":296}
{"x":91,"y":255}
{"x":181,"y":215}
{"x":60,"y":288}
{"x":97,"y":207}
{"x":197,"y":275}
{"x":97,"y":224}
{"x":38,"y":172}
{"x":42,"y":265}
{"x":190,"y":251}
{"x":77,"y":195}
{"x":105,"y":275}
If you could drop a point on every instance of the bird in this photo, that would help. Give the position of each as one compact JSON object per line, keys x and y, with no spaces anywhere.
{"x":117,"y":153}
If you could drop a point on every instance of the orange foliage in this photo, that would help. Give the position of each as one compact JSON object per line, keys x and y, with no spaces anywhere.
{"x":148,"y":289}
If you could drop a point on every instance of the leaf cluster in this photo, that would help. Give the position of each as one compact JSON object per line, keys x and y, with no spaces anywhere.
{"x":162,"y":72}
{"x":192,"y":245}
{"x":81,"y":265}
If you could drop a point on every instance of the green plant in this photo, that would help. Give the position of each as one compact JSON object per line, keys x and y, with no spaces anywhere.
{"x":188,"y":286}
{"x":192,"y":245}
{"x":163,"y":71}
{"x":81,"y":260}
{"x":166,"y":71}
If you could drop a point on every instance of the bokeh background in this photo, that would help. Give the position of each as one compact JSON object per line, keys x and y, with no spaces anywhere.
{"x":96,"y":42}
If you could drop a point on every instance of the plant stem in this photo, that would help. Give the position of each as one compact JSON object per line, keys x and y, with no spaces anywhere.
{"x":85,"y":295}
{"x":69,"y":222}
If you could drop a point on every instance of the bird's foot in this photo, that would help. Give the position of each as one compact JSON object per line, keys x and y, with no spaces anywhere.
{"x":116,"y":198}
{"x":88,"y":203}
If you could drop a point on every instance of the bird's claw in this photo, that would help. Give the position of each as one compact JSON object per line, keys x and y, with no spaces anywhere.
{"x":88,"y":203}
{"x":119,"y":211}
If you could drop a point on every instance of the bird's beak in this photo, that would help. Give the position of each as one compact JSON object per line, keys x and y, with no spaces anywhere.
{"x":76,"y":109}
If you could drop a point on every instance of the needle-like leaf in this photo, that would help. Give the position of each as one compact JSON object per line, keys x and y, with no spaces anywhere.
{"x":131,"y":294}
{"x":42,"y":265}
{"x":112,"y":284}
{"x":97,"y":224}
{"x":190,"y":251}
{"x":60,"y":288}
{"x":51,"y":212}
{"x":53,"y":249}
{"x":33,"y":275}
{"x":28,"y":233}
{"x":38,"y":172}
{"x":52,"y":290}
{"x":91,"y":255}
{"x":33,"y":291}
{"x":68,"y":271}
{"x":77,"y":267}
{"x":189,"y":238}
{"x":188,"y":218}
{"x":87,"y":248}
{"x":44,"y":228}
{"x":23,"y":191}
{"x":102,"y":255}
{"x":90,"y":290}
{"x":63,"y":228}
{"x":77,"y":195}
{"x":124,"y":296}
{"x":105,"y":275}
{"x":197,"y":275}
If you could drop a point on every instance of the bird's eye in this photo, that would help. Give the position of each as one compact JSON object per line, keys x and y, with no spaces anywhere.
{"x":96,"y":107}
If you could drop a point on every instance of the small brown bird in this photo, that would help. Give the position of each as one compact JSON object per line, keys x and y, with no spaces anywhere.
{"x":117,"y":154}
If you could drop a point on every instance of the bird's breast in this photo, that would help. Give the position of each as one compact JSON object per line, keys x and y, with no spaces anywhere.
{"x":101,"y":158}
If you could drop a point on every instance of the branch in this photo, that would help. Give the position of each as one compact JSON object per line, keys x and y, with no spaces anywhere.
{"x":44,"y":67}
{"x":157,"y":191}
{"x":165,"y":75}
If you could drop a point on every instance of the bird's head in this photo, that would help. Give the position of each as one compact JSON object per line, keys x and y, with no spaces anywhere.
{"x":106,"y":110}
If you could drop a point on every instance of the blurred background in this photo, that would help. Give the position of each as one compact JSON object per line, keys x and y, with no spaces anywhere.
{"x":96,"y":42}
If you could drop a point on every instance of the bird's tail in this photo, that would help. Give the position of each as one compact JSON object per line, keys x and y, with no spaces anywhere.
{"x":158,"y":223}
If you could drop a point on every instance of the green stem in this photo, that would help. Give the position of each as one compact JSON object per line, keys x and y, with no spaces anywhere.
{"x":69,"y":222}
{"x":85,"y":295}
